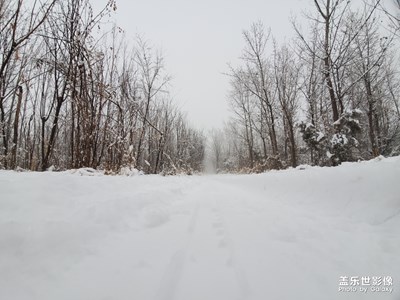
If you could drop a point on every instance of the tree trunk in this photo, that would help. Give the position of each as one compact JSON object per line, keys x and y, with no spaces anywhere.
{"x":327,"y":63}
{"x":50,"y":145}
{"x":16,"y":124}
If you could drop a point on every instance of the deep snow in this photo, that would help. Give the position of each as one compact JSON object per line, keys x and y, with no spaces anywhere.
{"x":280,"y":235}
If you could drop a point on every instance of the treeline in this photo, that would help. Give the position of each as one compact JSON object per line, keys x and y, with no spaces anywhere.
{"x":330,"y":95}
{"x":73,"y":96}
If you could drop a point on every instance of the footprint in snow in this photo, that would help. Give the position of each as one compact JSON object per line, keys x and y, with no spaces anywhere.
{"x":220,"y":232}
{"x":217,"y":225}
{"x":142,"y":265}
{"x":154,"y":217}
{"x":222,"y":243}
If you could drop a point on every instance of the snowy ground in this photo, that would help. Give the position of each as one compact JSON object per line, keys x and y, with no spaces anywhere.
{"x":280,"y":235}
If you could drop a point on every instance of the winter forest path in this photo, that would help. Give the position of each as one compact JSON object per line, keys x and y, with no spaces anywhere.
{"x":206,"y":264}
{"x":281,"y":235}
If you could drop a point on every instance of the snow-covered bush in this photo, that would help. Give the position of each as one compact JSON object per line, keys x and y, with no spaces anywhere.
{"x":311,"y":135}
{"x":344,"y":142}
{"x":315,"y":141}
{"x":129,"y":171}
{"x":86,"y":172}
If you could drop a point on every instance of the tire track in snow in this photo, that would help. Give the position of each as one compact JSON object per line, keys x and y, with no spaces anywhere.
{"x":171,"y":276}
{"x":169,"y":285}
{"x":221,"y":229}
{"x":173,"y":273}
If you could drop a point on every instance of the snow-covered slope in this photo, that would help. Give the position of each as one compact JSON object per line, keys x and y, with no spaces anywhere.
{"x":280,"y":235}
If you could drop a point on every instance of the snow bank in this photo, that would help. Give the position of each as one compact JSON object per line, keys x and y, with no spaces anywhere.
{"x":126,"y":171}
{"x":280,"y":235}
{"x":86,"y":172}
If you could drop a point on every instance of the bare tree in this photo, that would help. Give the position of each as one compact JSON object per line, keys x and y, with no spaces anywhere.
{"x":18,"y":22}
{"x":243,"y":107}
{"x":287,"y":76}
{"x":336,"y":51}
{"x":152,"y":83}
{"x":393,"y":14}
{"x":254,"y":76}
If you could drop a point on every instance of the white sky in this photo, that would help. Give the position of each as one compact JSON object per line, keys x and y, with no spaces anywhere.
{"x":198,"y":39}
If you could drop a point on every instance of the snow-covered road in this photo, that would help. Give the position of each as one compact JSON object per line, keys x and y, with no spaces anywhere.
{"x":281,"y":235}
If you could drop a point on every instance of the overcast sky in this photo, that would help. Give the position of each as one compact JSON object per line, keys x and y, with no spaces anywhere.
{"x":198,"y":39}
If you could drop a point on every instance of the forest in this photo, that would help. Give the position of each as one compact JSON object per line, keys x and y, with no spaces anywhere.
{"x":330,"y":95}
{"x":75,"y":93}
{"x":74,"y":96}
